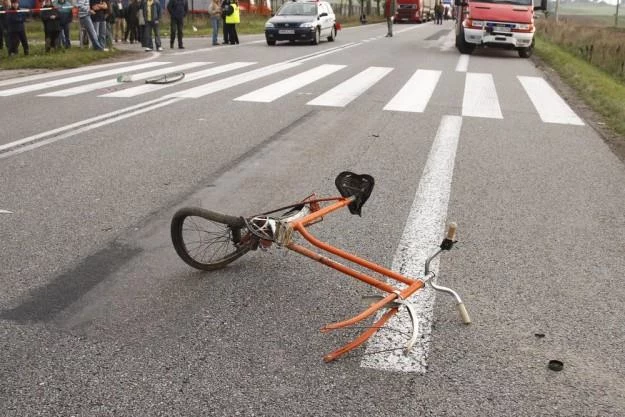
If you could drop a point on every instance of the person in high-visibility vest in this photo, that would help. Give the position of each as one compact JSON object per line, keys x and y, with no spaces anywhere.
{"x":232,"y":20}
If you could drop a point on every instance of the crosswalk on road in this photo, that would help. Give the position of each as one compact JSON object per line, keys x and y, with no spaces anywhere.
{"x":480,"y":96}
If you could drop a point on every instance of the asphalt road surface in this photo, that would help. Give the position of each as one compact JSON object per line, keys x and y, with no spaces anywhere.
{"x":99,"y":317}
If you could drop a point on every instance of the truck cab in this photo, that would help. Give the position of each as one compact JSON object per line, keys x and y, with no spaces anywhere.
{"x":414,"y":11}
{"x":495,"y":23}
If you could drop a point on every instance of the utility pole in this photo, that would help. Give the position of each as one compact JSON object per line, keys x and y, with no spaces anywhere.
{"x":557,"y":7}
{"x":616,"y":15}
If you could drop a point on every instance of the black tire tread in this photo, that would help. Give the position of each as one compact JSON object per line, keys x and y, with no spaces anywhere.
{"x":178,"y":241}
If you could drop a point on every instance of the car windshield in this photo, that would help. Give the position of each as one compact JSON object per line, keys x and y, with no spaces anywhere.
{"x":298,"y":9}
{"x":517,"y":2}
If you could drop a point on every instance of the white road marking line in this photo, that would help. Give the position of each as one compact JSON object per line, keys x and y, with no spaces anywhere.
{"x":422,"y":234}
{"x":78,"y":78}
{"x":72,"y":126}
{"x":148,"y":88}
{"x":463,"y":63}
{"x":281,"y":88}
{"x":550,"y":106}
{"x":235,"y":80}
{"x":449,"y":43}
{"x":52,"y":74}
{"x":327,"y":52}
{"x":126,"y":114}
{"x":5,"y":212}
{"x":480,"y":97}
{"x":111,"y":83}
{"x":416,"y":93}
{"x":347,"y":91}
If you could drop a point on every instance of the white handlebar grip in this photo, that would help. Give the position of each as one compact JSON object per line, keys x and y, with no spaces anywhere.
{"x":464,"y":314}
{"x":451,"y":231}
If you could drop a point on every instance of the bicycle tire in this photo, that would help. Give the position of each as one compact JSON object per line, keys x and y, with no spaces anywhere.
{"x":217,"y":238}
{"x":166,"y":78}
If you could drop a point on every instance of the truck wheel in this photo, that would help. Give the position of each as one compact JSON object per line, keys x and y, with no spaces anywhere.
{"x":526,"y":52}
{"x":463,"y":46}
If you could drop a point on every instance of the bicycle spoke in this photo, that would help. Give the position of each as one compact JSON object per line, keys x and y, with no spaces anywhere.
{"x":206,"y":240}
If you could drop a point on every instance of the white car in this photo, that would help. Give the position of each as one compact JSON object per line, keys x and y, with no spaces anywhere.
{"x":302,"y":21}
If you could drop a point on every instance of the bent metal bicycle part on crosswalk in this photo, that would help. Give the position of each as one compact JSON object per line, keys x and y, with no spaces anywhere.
{"x":209,"y":241}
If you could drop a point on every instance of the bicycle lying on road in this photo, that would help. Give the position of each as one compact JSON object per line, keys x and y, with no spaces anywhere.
{"x":207,"y":240}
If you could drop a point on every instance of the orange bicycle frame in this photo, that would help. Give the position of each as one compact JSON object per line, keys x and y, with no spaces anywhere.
{"x":392,"y":300}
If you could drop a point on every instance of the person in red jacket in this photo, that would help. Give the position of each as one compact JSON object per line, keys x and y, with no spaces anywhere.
{"x":389,"y":12}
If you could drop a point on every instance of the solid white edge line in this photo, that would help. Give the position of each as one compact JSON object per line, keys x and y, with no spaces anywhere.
{"x":74,"y":125}
{"x":86,"y":128}
{"x":421,"y":236}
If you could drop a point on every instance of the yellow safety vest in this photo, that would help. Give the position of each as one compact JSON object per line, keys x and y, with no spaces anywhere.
{"x":234,"y":17}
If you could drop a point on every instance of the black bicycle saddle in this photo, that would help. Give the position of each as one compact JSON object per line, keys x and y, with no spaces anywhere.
{"x":359,"y":186}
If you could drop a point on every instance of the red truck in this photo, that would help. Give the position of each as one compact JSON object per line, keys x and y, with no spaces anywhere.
{"x":414,"y":11}
{"x":491,"y":23}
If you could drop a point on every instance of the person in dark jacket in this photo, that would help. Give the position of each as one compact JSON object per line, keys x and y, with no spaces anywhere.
{"x":51,"y":24}
{"x":152,"y":15}
{"x":225,"y":5}
{"x":4,"y":37}
{"x":99,"y":7}
{"x":15,"y":29}
{"x":65,"y":19}
{"x":119,"y":21}
{"x":177,"y":9}
{"x":132,"y":22}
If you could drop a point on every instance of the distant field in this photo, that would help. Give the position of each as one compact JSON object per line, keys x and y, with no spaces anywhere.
{"x":590,"y":9}
{"x":591,"y":14}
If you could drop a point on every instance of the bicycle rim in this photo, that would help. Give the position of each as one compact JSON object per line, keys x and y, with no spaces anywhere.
{"x":207,"y":240}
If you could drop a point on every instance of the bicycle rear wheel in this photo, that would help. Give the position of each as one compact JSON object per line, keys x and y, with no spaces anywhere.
{"x":208,"y":240}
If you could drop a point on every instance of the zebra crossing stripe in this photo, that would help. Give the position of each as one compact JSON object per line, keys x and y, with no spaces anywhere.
{"x":284,"y":87}
{"x":148,"y":88}
{"x":463,"y":63}
{"x":235,"y":80}
{"x":480,"y":97}
{"x":111,"y":83}
{"x":416,"y":93}
{"x":347,"y":91}
{"x":550,"y":106}
{"x":78,"y":78}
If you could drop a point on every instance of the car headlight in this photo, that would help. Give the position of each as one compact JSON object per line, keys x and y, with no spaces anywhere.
{"x":268,"y":25}
{"x":307,"y":25}
{"x":523,"y":26}
{"x":477,"y":23}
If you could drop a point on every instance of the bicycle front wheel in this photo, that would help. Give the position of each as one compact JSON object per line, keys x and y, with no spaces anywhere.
{"x":208,"y":240}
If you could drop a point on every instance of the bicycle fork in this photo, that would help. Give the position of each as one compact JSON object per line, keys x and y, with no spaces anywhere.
{"x":395,"y":297}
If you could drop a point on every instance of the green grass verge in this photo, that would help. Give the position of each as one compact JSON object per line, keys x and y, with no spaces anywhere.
{"x":602,"y":92}
{"x":68,"y":58}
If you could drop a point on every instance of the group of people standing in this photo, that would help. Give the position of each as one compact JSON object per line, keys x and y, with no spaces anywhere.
{"x":135,"y":21}
{"x":226,"y":13}
{"x":101,"y":22}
